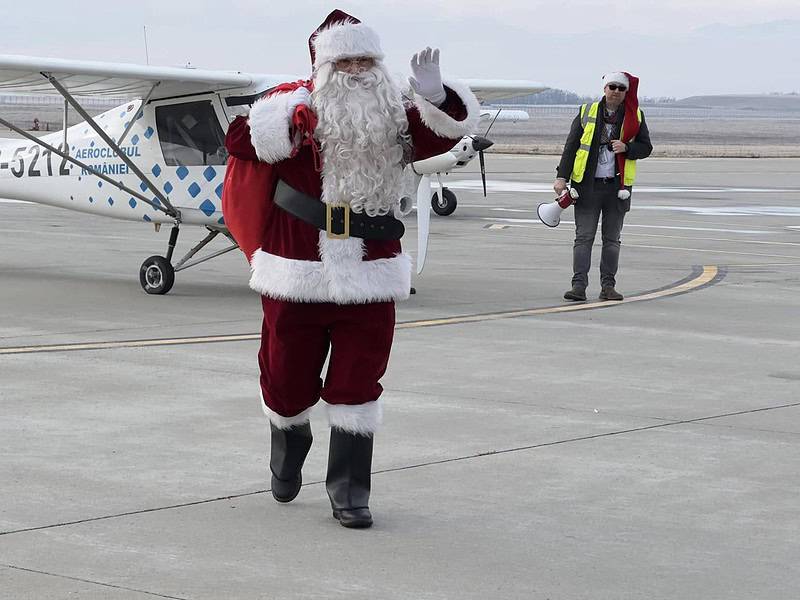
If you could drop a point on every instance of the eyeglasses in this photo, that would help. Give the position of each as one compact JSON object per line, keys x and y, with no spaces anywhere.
{"x":614,"y":87}
{"x":362,"y":61}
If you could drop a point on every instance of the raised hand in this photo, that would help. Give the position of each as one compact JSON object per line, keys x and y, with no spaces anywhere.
{"x":426,"y":79}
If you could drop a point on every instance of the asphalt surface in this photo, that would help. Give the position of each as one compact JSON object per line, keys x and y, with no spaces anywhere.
{"x":644,"y":449}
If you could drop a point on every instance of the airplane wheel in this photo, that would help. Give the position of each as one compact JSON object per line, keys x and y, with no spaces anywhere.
{"x":156,"y":275}
{"x":447,"y":204}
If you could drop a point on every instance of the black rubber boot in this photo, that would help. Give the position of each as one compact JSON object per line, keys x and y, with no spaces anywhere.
{"x":348,"y":480}
{"x":289,"y":448}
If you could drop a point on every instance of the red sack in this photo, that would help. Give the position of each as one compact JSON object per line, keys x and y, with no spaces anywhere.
{"x":247,"y":201}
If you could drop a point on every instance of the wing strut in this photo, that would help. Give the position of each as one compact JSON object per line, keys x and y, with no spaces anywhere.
{"x":82,"y":165}
{"x":140,"y":110}
{"x":169,"y":209}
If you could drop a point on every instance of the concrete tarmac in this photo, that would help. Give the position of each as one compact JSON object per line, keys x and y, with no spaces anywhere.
{"x":648,"y":449}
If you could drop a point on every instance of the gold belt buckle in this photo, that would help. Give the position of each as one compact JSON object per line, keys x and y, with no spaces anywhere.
{"x":329,"y":221}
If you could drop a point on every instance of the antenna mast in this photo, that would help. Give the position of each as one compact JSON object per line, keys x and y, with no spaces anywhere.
{"x":146,"y":53}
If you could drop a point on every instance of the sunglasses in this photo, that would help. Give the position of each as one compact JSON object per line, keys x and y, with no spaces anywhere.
{"x":614,"y":87}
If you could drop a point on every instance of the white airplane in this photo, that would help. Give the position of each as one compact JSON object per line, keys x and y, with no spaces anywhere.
{"x":159,"y":158}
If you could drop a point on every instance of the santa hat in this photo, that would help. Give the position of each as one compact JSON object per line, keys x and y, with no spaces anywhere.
{"x":617,"y":77}
{"x":630,"y":123}
{"x":343,"y":36}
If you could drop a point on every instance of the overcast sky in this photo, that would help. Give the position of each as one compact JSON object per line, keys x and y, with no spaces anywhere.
{"x":677,"y":47}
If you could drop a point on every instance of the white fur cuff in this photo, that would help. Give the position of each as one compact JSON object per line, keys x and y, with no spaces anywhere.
{"x":363,"y":419}
{"x":282,"y":422}
{"x":269,"y":128}
{"x":443,"y":124}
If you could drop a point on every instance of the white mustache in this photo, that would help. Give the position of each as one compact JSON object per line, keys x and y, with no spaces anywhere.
{"x":366,"y":79}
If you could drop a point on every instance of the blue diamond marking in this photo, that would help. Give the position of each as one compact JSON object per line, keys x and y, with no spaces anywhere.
{"x":156,"y":170}
{"x":135,"y":140}
{"x":143,"y":186}
{"x":122,"y":114}
{"x":168,"y":187}
{"x":221,"y":221}
{"x":132,"y":202}
{"x":210,"y":173}
{"x":156,"y":201}
{"x":218,"y":191}
{"x":79,"y":177}
{"x":125,"y":124}
{"x":148,"y":132}
{"x":91,"y":199}
{"x":91,"y":145}
{"x":208,"y":207}
{"x":110,"y":201}
{"x":146,"y":218}
{"x":139,"y":116}
{"x":194,"y":189}
{"x":99,"y":184}
{"x":182,"y":172}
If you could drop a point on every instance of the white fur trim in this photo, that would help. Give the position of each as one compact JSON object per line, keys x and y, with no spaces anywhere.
{"x":443,"y":124}
{"x":282,"y":422}
{"x":616,"y":77}
{"x":346,"y":40}
{"x":342,"y":276}
{"x":269,"y":128}
{"x":362,"y":419}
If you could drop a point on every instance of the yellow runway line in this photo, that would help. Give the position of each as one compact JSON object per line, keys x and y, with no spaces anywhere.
{"x":701,"y":278}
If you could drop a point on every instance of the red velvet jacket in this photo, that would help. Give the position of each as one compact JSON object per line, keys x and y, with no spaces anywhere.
{"x":291,"y":259}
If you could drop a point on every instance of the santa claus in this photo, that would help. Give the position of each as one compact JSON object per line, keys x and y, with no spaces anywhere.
{"x":312,"y":196}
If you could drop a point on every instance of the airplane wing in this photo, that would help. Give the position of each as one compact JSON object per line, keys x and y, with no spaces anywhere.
{"x":495,"y":89}
{"x":24,"y":74}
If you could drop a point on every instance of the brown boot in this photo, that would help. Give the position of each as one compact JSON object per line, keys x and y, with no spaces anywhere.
{"x":609,"y":293}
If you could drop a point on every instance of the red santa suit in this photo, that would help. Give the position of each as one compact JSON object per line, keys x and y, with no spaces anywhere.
{"x":321,"y":294}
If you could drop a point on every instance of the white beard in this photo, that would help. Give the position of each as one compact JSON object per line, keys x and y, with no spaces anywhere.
{"x":362,"y":130}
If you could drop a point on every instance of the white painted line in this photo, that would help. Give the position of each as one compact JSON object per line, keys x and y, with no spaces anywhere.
{"x":709,"y":251}
{"x":729,"y":211}
{"x":522,"y":186}
{"x":629,"y":225}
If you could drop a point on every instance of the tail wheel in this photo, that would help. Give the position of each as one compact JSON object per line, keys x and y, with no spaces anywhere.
{"x":446,"y":205}
{"x":156,"y":275}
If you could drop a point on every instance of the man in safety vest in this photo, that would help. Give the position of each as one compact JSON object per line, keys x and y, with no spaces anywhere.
{"x":599,"y":160}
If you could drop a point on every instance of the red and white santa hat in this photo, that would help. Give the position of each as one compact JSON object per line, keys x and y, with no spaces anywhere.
{"x":616,"y":77}
{"x":343,"y":36}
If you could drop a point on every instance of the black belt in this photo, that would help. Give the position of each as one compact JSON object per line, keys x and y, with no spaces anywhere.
{"x":605,"y":179}
{"x":336,"y":219}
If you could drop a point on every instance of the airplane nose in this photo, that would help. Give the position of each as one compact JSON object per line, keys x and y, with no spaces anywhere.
{"x":481,"y":143}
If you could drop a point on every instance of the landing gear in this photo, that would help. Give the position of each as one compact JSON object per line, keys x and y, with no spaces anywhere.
{"x":446,"y":205}
{"x":157,"y":274}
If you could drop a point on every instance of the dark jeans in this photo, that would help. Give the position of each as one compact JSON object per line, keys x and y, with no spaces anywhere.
{"x":595,"y":198}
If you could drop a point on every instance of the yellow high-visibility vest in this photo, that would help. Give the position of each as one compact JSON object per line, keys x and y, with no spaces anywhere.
{"x":588,"y":121}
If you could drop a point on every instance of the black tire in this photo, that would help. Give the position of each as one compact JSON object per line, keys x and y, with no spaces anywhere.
{"x":447,"y":205}
{"x":156,"y":275}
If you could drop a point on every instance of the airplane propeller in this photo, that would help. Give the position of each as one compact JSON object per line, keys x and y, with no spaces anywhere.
{"x":480,"y":144}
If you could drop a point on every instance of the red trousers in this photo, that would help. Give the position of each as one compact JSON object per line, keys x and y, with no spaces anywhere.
{"x":295,"y":340}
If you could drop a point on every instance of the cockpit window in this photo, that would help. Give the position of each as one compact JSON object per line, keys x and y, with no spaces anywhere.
{"x":190,"y":134}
